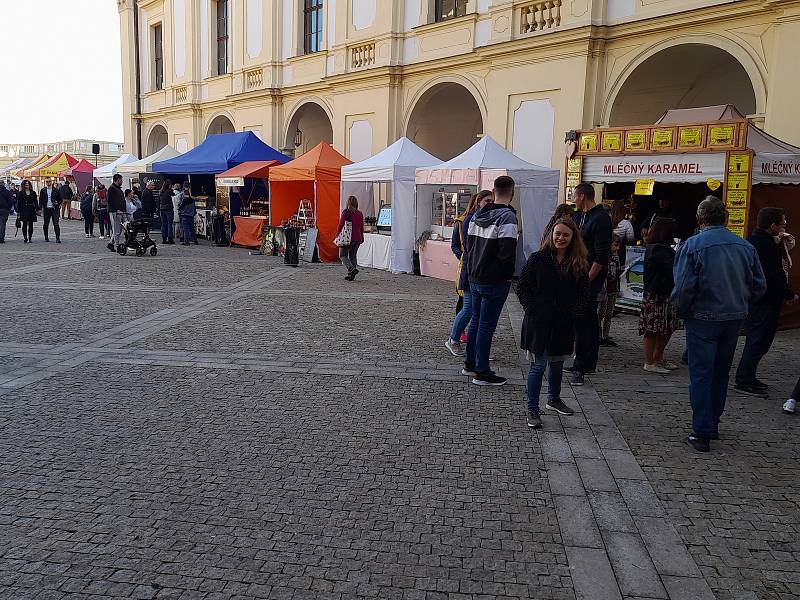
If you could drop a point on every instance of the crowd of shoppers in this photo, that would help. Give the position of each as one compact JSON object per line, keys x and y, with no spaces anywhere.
{"x":715,"y":285}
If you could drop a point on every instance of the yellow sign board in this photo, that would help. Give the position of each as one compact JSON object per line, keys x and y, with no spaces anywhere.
{"x":589,"y":142}
{"x":737,"y":229}
{"x":644,"y":187}
{"x":662,"y":138}
{"x":736,"y":199}
{"x":737,"y":181}
{"x":713,"y":184}
{"x":739,"y":163}
{"x":636,"y":140}
{"x":737,"y":217}
{"x":723,"y":135}
{"x":612,"y":140}
{"x":690,"y":137}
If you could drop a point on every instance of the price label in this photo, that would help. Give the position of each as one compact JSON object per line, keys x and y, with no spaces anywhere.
{"x":736,"y":199}
{"x":737,"y":181}
{"x":612,"y":141}
{"x":738,"y":230}
{"x":644,"y":187}
{"x":635,"y":140}
{"x":589,"y":142}
{"x":662,"y":138}
{"x":737,"y":217}
{"x":739,"y":163}
{"x":723,"y":135}
{"x":690,"y":137}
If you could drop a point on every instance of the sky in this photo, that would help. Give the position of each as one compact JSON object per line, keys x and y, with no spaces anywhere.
{"x":61,"y":70}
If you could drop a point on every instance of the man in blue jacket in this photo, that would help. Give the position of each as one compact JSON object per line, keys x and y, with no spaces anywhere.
{"x":491,"y":257}
{"x":717,"y":277}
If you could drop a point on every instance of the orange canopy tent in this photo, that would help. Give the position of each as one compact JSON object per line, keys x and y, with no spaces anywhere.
{"x":55,"y":165}
{"x":314,"y":176}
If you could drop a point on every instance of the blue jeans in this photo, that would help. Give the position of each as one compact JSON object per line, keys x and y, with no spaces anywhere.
{"x":711,"y":346}
{"x":535,"y":376}
{"x":167,"y":230}
{"x":189,"y":234}
{"x":487,"y":305}
{"x":462,"y":318}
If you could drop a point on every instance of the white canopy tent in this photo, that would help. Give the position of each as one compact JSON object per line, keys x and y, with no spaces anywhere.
{"x":536,"y":187}
{"x":105,"y":173}
{"x":397,"y":166}
{"x":145,"y":165}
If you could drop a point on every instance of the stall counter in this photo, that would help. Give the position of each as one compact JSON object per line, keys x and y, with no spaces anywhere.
{"x":437,"y":260}
{"x":249,"y":231}
{"x":376,"y":251}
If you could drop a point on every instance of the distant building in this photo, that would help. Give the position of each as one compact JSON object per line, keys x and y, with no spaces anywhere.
{"x":109,"y":151}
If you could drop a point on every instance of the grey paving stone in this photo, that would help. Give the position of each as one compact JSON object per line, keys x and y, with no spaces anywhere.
{"x":640,"y":497}
{"x":596,"y":475}
{"x":611,"y":512}
{"x":687,"y":588}
{"x":623,"y":464}
{"x":635,"y":572}
{"x":583,"y":443}
{"x":592,"y":575}
{"x":555,"y":447}
{"x":669,"y":554}
{"x":578,"y":527}
{"x":565,"y":480}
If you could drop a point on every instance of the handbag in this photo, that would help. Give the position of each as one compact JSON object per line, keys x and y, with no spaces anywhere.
{"x":345,"y":236}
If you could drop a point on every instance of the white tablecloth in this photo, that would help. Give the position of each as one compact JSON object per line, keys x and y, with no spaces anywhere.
{"x":376,"y":251}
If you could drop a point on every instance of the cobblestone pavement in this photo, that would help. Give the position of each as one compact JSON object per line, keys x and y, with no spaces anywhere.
{"x":207,"y":424}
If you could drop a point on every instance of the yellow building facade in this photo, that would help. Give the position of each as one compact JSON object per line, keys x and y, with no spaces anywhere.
{"x":362,"y":73}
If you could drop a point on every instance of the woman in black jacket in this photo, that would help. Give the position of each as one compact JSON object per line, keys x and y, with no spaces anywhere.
{"x":658,"y":319}
{"x":86,"y":211}
{"x":27,"y":205}
{"x":554,"y":290}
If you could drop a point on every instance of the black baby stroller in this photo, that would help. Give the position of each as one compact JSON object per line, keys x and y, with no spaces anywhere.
{"x":137,"y":236}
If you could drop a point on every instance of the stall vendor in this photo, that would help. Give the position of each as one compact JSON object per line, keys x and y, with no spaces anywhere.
{"x":664,"y":211}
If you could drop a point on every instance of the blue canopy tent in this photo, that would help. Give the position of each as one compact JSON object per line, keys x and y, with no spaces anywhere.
{"x":219,"y":153}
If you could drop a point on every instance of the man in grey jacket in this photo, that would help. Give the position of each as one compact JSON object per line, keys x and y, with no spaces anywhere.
{"x":717,"y":277}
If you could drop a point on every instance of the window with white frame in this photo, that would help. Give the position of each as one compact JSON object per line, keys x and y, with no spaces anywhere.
{"x":450,"y":9}
{"x":158,"y":57}
{"x":312,"y":26}
{"x":222,"y":36}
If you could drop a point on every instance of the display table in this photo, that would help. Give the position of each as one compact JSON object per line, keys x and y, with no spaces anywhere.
{"x":249,"y":231}
{"x":376,"y":251}
{"x":437,"y":260}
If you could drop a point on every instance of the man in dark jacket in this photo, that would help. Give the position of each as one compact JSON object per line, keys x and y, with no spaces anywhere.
{"x":66,"y":199}
{"x":116,"y":209}
{"x":49,"y":201}
{"x":6,"y":204}
{"x":490,"y":254}
{"x":762,"y":320}
{"x":596,"y":229}
{"x":148,"y":200}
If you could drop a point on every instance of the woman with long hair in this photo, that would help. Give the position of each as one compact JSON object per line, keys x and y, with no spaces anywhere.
{"x":100,"y":209}
{"x":554,"y":291}
{"x":87,"y":200}
{"x":623,"y":228}
{"x":563,"y":211}
{"x":658,"y":319}
{"x":458,"y":246}
{"x":349,"y":253}
{"x":27,"y":205}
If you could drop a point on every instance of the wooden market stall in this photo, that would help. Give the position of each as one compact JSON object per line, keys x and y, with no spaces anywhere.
{"x":687,"y":155}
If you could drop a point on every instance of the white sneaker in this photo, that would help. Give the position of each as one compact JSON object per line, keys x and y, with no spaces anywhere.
{"x":670,"y":366}
{"x":789,"y":406}
{"x":455,"y":347}
{"x":102,"y":237}
{"x":87,"y":236}
{"x":656,"y":369}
